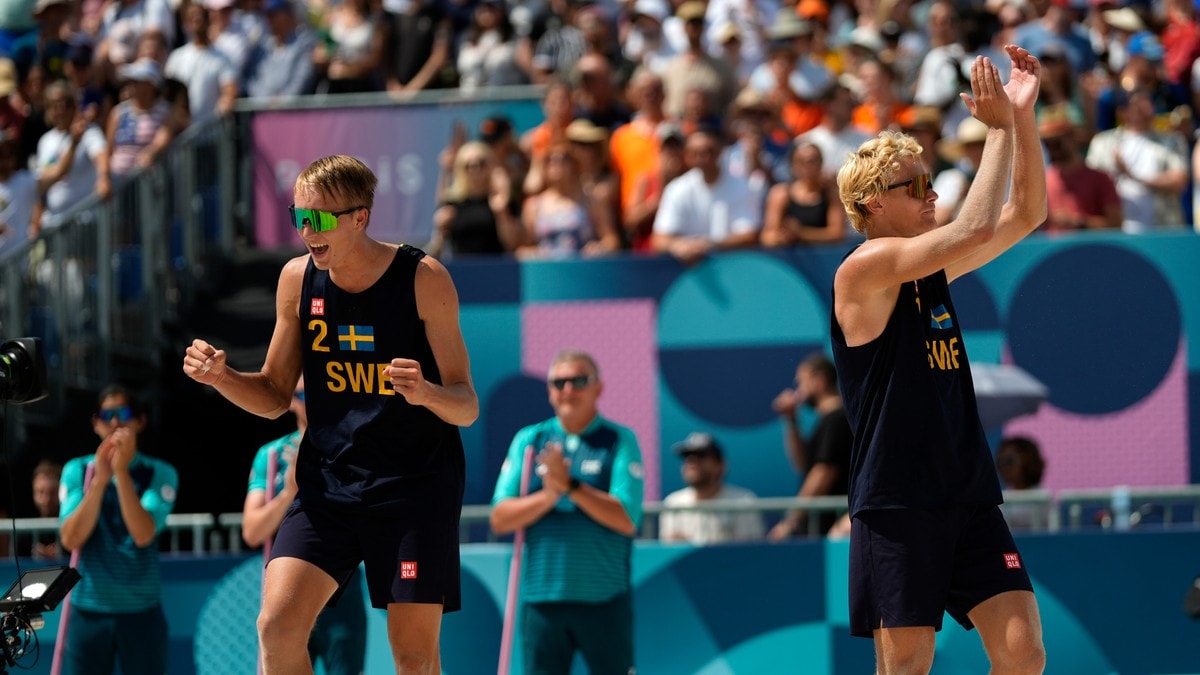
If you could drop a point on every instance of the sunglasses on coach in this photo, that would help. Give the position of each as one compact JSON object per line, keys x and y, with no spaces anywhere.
{"x":319,"y":221}
{"x":918,"y":186}
{"x":578,"y":382}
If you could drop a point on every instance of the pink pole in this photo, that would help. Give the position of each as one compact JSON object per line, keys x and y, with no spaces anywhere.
{"x":60,"y":641}
{"x":514,"y":576}
{"x":272,"y":471}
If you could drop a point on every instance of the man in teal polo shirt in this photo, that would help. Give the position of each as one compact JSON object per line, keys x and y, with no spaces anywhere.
{"x":114,"y":521}
{"x":582,"y":510}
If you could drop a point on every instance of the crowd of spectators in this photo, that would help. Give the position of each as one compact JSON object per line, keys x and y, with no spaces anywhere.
{"x":677,"y":126}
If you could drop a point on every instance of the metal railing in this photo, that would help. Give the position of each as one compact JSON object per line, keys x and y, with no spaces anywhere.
{"x":1098,"y":509}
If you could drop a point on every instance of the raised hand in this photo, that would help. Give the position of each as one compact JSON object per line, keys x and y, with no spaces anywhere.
{"x":1025,"y":78}
{"x":988,"y":101}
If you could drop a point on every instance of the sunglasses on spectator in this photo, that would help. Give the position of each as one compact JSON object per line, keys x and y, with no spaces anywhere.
{"x":918,"y":186}
{"x":121,"y":414}
{"x":319,"y":221}
{"x":578,"y":382}
{"x":299,"y":396}
{"x":475,"y":163}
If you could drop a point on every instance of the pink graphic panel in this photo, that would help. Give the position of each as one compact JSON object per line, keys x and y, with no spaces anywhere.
{"x":621,"y":336}
{"x":1146,"y":444}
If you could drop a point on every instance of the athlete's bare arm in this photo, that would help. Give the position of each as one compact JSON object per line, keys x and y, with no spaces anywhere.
{"x":267,"y":393}
{"x":1026,"y":206}
{"x":868,"y":281}
{"x":437,"y":304}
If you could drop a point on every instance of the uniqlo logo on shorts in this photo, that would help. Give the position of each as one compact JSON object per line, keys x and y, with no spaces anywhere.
{"x":318,"y":307}
{"x":408,"y":570}
{"x":1012,"y":561}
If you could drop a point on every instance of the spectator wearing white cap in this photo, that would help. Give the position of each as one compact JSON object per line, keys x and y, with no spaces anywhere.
{"x":137,"y":127}
{"x":703,"y":467}
{"x":281,"y":63}
{"x":211,"y":80}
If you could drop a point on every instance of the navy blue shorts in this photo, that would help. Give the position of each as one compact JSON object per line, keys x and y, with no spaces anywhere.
{"x":409,"y":558}
{"x":909,"y":566}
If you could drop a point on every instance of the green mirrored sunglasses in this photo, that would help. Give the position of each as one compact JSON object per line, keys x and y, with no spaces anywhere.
{"x":319,"y":221}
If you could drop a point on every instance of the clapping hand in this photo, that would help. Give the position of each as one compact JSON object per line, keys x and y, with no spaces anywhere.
{"x":1025,"y":78}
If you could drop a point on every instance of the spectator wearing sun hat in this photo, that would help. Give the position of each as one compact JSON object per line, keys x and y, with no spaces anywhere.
{"x":1122,"y":23}
{"x":965,"y":151}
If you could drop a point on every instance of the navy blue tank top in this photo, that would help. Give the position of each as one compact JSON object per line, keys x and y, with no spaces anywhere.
{"x":366,"y":447}
{"x":910,"y":399}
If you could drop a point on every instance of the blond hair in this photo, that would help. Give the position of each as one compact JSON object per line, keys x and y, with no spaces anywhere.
{"x":341,"y":176}
{"x":867,"y":172}
{"x":458,"y":188}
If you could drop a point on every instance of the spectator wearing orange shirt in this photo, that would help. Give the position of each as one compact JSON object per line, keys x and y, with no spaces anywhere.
{"x":558,"y":109}
{"x":633,"y":150}
{"x":880,"y":108}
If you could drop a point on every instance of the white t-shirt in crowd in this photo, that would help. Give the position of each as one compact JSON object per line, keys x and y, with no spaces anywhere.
{"x":710,"y":527}
{"x":690,"y":207}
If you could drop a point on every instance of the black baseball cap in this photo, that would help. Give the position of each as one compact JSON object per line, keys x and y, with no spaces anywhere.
{"x":698,"y":443}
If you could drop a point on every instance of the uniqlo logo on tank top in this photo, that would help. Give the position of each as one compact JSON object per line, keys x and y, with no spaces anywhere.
{"x":1012,"y":561}
{"x":408,"y":570}
{"x":317,"y":308}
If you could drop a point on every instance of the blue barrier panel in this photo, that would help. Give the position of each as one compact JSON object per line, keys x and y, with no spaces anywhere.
{"x":1110,"y":603}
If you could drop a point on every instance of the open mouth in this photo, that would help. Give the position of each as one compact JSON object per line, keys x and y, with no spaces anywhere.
{"x":318,"y":249}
